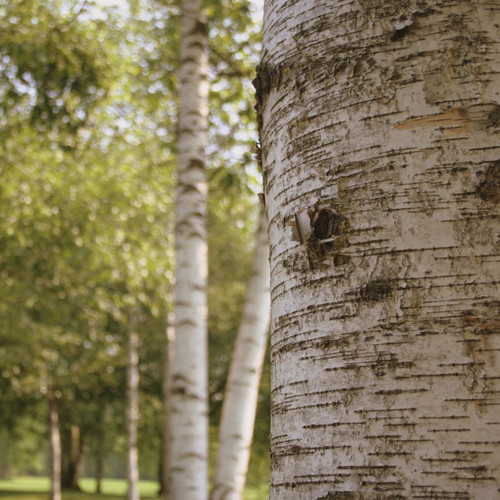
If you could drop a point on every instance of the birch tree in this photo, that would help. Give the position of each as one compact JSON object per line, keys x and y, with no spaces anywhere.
{"x":132,"y":414}
{"x":55,"y":448}
{"x":189,"y":402}
{"x":240,"y":400}
{"x":379,"y":125}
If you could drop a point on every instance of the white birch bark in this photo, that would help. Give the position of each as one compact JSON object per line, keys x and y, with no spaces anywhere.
{"x":55,"y":447}
{"x":189,"y":402}
{"x":379,"y":124}
{"x":242,"y":390}
{"x":132,"y":416}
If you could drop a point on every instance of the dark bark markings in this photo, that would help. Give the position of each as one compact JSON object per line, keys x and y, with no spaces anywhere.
{"x":489,"y":188}
{"x":388,"y":431}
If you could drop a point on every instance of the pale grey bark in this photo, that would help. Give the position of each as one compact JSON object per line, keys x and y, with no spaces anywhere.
{"x":379,"y":124}
{"x":55,"y":447}
{"x":240,"y":399}
{"x":189,"y":401}
{"x":132,"y":416}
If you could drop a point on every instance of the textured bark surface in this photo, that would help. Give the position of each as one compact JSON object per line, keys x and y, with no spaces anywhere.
{"x":380,"y":127}
{"x":240,"y":399}
{"x":189,"y":414}
{"x":132,"y":416}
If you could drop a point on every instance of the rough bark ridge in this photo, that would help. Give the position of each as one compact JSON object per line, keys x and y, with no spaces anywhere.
{"x":379,"y":124}
{"x":189,"y":414}
{"x":240,"y":399}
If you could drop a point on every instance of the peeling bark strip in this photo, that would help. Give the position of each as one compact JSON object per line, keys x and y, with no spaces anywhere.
{"x":188,"y":383}
{"x":379,"y":125}
{"x":457,"y":121}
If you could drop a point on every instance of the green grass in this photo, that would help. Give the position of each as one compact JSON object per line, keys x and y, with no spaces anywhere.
{"x":37,"y":488}
{"x":256,"y":492}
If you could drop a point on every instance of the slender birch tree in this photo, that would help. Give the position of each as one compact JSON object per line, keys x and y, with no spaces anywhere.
{"x":55,"y":447}
{"x":189,"y":400}
{"x":379,"y":125}
{"x":132,"y":415}
{"x":240,"y":400}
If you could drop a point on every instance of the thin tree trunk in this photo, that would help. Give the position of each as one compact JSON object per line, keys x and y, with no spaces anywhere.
{"x":55,"y":446}
{"x":189,"y":395}
{"x":99,"y":463}
{"x":132,"y":416}
{"x":380,"y":147}
{"x":71,"y":456}
{"x":240,"y":400}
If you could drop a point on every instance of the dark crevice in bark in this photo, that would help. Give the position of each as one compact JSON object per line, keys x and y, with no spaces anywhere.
{"x":376,"y":290}
{"x":489,"y":189}
{"x":494,"y":117}
{"x":200,"y":28}
{"x":268,"y":77}
{"x":397,"y":34}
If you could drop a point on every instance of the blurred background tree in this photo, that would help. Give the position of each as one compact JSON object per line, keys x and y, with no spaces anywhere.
{"x":87,"y":135}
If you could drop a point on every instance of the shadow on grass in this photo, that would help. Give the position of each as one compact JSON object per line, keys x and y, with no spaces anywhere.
{"x":37,"y":488}
{"x":33,"y":489}
{"x":22,"y":495}
{"x":12,"y":493}
{"x":66,"y":495}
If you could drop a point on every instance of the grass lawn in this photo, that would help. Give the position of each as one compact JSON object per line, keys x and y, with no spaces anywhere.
{"x":36,"y":488}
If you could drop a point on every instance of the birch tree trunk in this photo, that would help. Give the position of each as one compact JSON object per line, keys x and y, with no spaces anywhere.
{"x":189,"y":400}
{"x":55,"y":447}
{"x":132,"y":416}
{"x":379,"y":124}
{"x":240,"y":400}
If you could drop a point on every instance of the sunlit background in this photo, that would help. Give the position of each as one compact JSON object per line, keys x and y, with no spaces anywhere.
{"x":88,"y":104}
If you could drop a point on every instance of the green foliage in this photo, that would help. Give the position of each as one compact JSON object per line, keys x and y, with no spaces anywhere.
{"x":28,"y":444}
{"x":83,"y":239}
{"x":56,"y":65}
{"x":235,"y":40}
